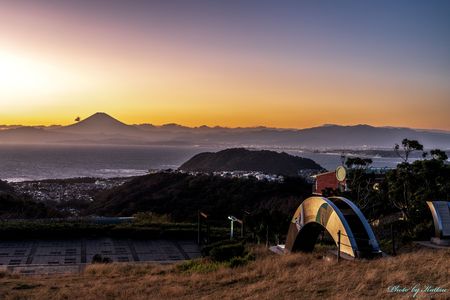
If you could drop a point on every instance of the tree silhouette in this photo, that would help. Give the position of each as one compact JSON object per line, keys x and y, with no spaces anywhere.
{"x":438,"y":154}
{"x":408,"y":147}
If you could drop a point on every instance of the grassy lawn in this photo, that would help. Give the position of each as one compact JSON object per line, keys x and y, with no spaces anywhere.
{"x":295,"y":276}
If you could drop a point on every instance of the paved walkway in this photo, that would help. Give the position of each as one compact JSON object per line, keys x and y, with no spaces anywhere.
{"x":72,"y":254}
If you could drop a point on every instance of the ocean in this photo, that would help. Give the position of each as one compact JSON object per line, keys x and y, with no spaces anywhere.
{"x":37,"y":162}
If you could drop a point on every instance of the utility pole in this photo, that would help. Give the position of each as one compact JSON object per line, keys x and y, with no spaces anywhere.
{"x":244,"y":220}
{"x":199,"y":227}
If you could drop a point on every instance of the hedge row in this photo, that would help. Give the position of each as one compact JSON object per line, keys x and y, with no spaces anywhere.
{"x":67,"y":230}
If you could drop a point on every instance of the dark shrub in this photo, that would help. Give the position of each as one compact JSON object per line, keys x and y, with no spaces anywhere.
{"x":423,"y":231}
{"x":207,"y":249}
{"x":227,"y":252}
{"x":240,"y":261}
{"x":97,"y":258}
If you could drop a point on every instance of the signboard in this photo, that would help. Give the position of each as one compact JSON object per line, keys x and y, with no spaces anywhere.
{"x":341,"y":173}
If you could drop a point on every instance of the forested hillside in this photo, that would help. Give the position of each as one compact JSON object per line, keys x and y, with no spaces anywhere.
{"x":181,"y":195}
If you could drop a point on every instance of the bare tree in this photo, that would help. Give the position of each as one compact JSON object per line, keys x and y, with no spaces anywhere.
{"x":358,"y":181}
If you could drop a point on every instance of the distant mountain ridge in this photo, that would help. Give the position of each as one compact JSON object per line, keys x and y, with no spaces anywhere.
{"x":101,"y":128}
{"x":240,"y":159}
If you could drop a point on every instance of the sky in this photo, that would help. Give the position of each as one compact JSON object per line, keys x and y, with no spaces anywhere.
{"x":289,"y":64}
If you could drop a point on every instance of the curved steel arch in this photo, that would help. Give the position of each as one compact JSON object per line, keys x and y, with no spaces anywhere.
{"x":440,"y":211}
{"x":332,"y":214}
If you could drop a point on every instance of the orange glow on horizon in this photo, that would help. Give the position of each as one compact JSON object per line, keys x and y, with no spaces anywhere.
{"x":62,"y":68}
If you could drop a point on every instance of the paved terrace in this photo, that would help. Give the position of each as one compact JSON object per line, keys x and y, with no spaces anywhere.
{"x":53,"y":256}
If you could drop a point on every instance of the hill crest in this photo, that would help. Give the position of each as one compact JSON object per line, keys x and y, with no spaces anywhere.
{"x":241,"y":159}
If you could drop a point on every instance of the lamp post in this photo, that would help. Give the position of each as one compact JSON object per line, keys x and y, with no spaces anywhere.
{"x":232,"y":220}
{"x":201,"y":215}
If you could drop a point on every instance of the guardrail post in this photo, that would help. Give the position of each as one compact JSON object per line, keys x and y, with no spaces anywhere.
{"x":339,"y":246}
{"x":394,"y":252}
{"x":198,"y":228}
{"x":207,"y":231}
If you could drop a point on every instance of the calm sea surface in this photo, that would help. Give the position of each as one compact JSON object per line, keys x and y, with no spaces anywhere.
{"x":20,"y":163}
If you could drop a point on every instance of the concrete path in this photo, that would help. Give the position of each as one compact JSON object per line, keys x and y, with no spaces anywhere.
{"x":71,"y":255}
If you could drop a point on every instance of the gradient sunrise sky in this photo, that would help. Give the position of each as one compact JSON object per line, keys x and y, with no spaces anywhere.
{"x":232,"y":63}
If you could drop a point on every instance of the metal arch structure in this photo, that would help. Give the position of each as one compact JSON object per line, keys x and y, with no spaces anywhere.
{"x":440,"y":211}
{"x":333,"y":214}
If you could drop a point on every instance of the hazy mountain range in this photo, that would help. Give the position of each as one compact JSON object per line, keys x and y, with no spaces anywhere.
{"x":101,"y":128}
